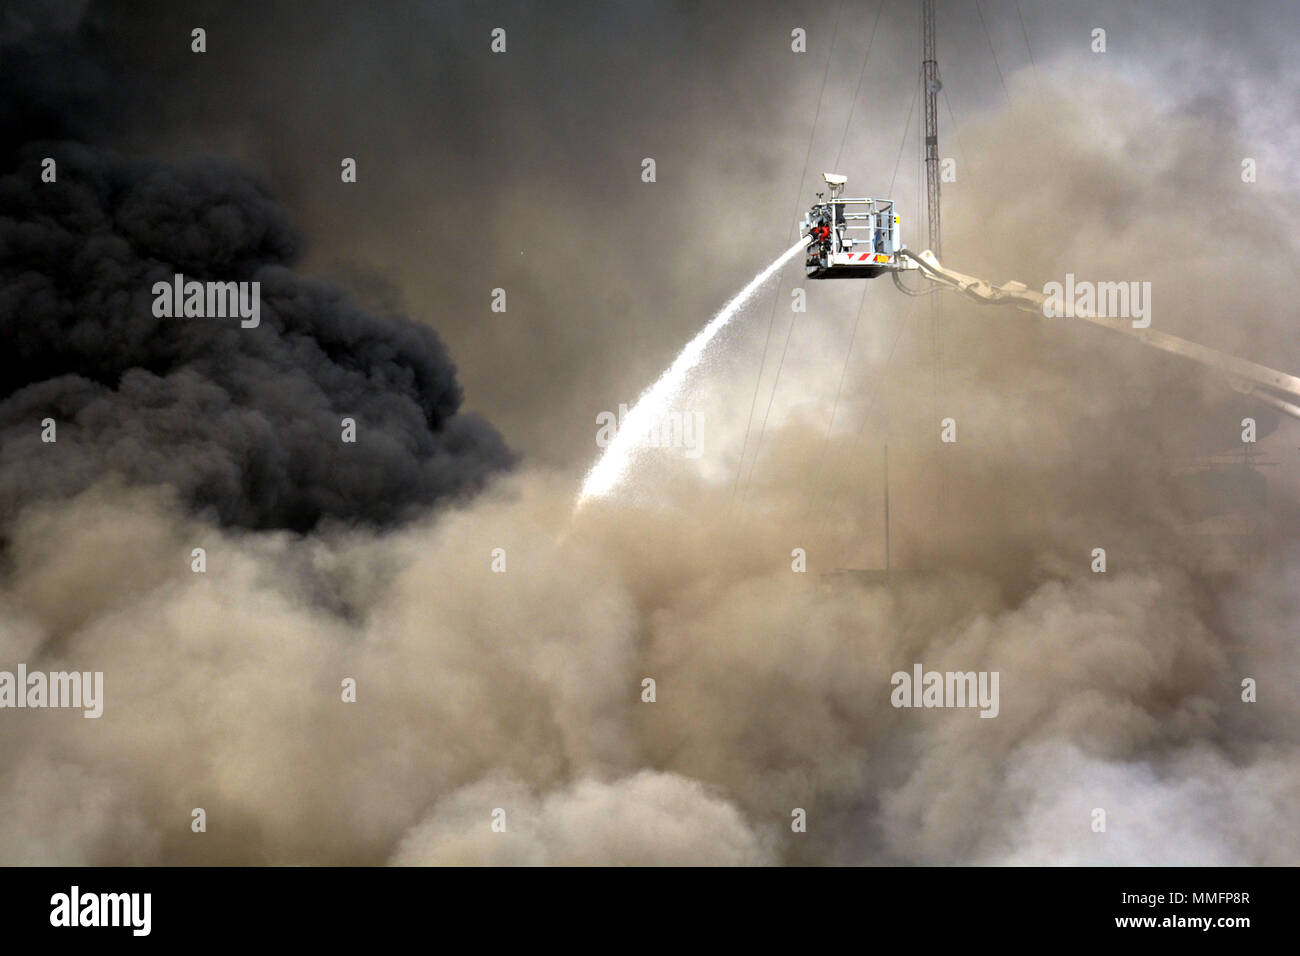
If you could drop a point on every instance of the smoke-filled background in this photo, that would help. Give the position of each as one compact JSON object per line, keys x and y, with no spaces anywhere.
{"x":521,"y":690}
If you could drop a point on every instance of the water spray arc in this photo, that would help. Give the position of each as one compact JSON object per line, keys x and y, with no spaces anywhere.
{"x":655,"y":402}
{"x":861,"y":238}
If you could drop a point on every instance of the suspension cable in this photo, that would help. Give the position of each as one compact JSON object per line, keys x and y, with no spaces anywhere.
{"x":776,"y":297}
{"x":758,"y":446}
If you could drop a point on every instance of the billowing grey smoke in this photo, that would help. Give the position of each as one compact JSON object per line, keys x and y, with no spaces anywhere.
{"x":245,"y":422}
{"x":522,"y":691}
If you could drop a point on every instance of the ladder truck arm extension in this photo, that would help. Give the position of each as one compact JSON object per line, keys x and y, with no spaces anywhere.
{"x":861,"y":239}
{"x":1274,"y":388}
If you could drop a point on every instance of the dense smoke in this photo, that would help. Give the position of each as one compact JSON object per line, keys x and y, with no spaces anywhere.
{"x":517,"y":686}
{"x":246,"y":422}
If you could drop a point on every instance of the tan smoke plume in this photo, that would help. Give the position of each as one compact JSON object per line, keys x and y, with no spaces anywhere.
{"x":522,"y":690}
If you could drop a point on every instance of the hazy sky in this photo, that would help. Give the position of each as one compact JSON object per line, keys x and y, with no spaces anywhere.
{"x":522,"y":170}
{"x":521,"y":688}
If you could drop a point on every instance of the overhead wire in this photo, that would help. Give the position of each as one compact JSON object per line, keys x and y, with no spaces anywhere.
{"x":1033,"y":65}
{"x":857,"y":92}
{"x":790,"y":329}
{"x":996,"y":66}
{"x":771,"y":321}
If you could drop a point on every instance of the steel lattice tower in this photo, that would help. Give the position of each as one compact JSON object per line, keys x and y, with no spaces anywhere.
{"x":930,"y":67}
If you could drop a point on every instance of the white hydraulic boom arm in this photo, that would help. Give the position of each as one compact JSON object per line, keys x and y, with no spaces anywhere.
{"x":1278,"y":389}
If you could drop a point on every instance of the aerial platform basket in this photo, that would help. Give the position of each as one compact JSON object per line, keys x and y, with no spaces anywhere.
{"x":850,"y":238}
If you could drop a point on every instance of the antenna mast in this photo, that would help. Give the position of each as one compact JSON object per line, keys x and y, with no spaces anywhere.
{"x":930,"y":66}
{"x":886,"y":511}
{"x":930,"y":72}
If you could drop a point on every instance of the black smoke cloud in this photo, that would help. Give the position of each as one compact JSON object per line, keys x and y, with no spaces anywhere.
{"x":243,"y":423}
{"x":522,"y":690}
